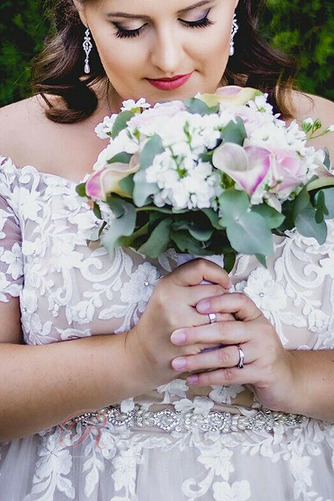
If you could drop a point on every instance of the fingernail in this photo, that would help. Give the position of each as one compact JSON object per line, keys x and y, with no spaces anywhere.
{"x":179,"y":364}
{"x":203,"y":306}
{"x":178,"y":337}
{"x":192,"y":379}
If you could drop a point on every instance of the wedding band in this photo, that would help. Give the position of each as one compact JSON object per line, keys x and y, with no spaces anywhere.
{"x":240,"y":363}
{"x":212,"y":318}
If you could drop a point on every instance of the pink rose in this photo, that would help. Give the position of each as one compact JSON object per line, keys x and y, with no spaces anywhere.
{"x":288,"y":170}
{"x":160,"y":112}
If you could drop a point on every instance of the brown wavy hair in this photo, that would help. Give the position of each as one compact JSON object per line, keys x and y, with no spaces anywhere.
{"x":58,"y":71}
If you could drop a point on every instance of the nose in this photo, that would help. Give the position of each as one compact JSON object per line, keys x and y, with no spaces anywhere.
{"x":166,"y":52}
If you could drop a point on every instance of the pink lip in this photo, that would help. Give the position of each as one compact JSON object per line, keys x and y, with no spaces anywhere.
{"x":170,"y":83}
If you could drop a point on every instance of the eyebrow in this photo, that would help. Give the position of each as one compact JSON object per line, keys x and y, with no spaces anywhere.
{"x":138,"y":16}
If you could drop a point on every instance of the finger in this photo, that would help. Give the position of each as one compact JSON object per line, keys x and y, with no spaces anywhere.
{"x":197,"y":270}
{"x":226,"y":357}
{"x":223,"y":377}
{"x":196,"y":293}
{"x":231,"y":302}
{"x":229,"y":331}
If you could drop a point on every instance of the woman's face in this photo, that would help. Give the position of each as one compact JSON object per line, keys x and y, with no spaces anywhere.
{"x":161,"y":49}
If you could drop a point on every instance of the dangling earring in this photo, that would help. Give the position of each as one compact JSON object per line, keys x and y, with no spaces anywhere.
{"x":234,"y":31}
{"x":87,"y":47}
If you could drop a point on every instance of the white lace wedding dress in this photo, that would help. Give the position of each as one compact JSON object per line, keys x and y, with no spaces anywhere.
{"x":175,"y":444}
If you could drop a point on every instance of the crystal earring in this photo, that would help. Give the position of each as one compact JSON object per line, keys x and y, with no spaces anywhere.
{"x":87,"y":47}
{"x":234,"y":31}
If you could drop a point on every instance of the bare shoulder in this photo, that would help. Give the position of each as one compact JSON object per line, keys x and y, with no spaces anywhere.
{"x":20,"y":124}
{"x":308,"y":105}
{"x":316,"y":107}
{"x":28,"y":137}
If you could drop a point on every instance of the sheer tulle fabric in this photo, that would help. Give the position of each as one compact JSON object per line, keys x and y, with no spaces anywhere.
{"x":68,"y":291}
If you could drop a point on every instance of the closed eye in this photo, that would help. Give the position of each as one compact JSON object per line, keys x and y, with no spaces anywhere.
{"x":199,"y":23}
{"x":123,"y":33}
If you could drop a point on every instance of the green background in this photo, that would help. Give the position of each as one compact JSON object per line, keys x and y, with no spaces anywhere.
{"x":303,"y":28}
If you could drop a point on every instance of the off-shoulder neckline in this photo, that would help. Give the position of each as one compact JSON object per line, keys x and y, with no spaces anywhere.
{"x":40,"y":173}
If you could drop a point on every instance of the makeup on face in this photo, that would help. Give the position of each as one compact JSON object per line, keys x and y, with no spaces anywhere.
{"x":161,"y":50}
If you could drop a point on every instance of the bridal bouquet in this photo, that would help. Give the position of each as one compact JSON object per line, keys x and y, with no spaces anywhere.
{"x":214,"y":174}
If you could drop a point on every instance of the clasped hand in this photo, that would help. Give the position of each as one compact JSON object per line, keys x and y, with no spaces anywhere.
{"x":177,"y":318}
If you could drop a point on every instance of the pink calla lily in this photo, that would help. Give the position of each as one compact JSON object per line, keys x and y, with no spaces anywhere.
{"x":105,"y":181}
{"x":246,"y":166}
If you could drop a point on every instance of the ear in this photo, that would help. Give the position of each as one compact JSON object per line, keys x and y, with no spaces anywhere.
{"x":81,"y":11}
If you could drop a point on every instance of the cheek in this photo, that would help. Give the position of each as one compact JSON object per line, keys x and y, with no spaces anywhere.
{"x":215,"y":51}
{"x":115,"y":59}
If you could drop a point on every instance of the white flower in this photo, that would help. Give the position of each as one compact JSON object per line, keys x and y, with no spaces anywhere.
{"x":267,"y":294}
{"x":127,"y":405}
{"x":139,"y":288}
{"x":200,"y":405}
{"x":217,"y":459}
{"x":104,"y":128}
{"x":238,"y":491}
{"x":131,"y":105}
{"x":14,"y":260}
{"x":225,"y":394}
{"x":177,"y":387}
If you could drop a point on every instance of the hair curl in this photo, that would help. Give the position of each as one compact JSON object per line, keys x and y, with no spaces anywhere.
{"x":58,"y":71}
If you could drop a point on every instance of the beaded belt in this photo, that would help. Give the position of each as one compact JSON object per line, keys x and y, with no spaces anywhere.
{"x":171,"y":420}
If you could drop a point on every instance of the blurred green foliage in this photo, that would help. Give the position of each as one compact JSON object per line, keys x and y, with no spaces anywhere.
{"x":305,"y":29}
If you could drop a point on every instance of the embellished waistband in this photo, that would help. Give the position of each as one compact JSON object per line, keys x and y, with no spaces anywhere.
{"x":170,"y":420}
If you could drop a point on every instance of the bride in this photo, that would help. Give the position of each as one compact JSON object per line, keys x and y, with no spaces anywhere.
{"x":105,"y":392}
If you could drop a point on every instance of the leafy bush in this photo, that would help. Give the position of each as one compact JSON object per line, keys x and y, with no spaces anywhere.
{"x":303,"y":29}
{"x":22,"y":30}
{"x":306,"y":31}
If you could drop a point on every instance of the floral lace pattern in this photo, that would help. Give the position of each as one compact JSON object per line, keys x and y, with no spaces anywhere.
{"x":68,"y":290}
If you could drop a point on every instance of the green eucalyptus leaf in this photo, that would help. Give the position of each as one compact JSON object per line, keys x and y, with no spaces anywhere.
{"x":127,"y":185}
{"x":327,"y":160}
{"x":121,"y":122}
{"x":123,"y":158}
{"x":320,"y":207}
{"x":307,"y":225}
{"x":249,"y":234}
{"x":234,"y":132}
{"x":261,"y":259}
{"x":213,"y":218}
{"x":186,"y":243}
{"x":233,"y":204}
{"x":130,"y":240}
{"x":195,"y":105}
{"x":143,"y":190}
{"x":158,"y":241}
{"x":201,"y":234}
{"x":229,"y":261}
{"x":122,"y":225}
{"x":327,"y":195}
{"x":273,"y":218}
{"x":301,"y":202}
{"x":152,"y":148}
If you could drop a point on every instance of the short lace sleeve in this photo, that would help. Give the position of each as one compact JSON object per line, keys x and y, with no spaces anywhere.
{"x":11,"y":265}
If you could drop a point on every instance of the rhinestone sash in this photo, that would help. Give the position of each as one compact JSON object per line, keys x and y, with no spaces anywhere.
{"x":170,"y":420}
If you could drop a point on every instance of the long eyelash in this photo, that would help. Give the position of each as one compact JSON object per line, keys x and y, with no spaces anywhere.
{"x":122,"y":33}
{"x":201,"y":23}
